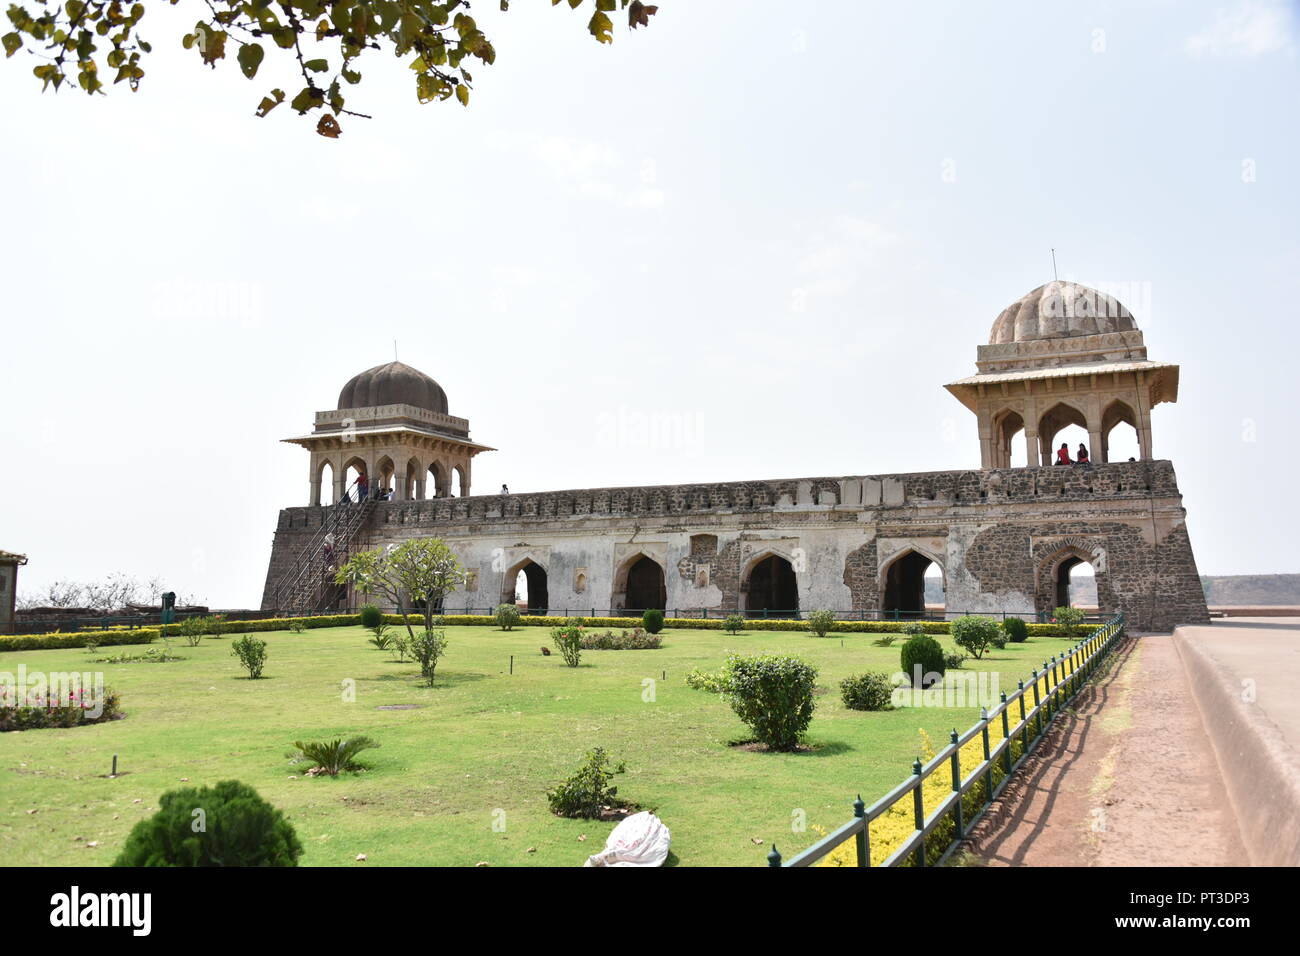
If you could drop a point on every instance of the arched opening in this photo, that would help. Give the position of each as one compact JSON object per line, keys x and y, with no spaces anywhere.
{"x":383,"y":488}
{"x":435,"y":483}
{"x":354,"y":471}
{"x":1076,"y":583}
{"x":325,"y":481}
{"x":643,"y":585}
{"x":414,"y":475}
{"x":772,"y":587}
{"x":904,"y":591}
{"x":1119,"y":434}
{"x":1063,"y":423}
{"x":459,"y":487}
{"x":936,"y":590}
{"x":525,"y":584}
{"x":1007,"y":451}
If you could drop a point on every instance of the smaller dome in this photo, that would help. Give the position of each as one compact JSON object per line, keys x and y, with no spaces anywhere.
{"x":393,"y":384}
{"x":1059,"y":309}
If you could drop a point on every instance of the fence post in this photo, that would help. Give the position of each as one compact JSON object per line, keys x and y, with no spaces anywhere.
{"x":1006,"y":735}
{"x":918,"y":811}
{"x":956,"y":782}
{"x":860,"y":811}
{"x":774,"y":857}
{"x":988,"y":765}
{"x":1037,"y":700}
{"x":1024,"y":727}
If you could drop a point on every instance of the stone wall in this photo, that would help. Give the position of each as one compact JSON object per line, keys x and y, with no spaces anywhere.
{"x":996,"y":534}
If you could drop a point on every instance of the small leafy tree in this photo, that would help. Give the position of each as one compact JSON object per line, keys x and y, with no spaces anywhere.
{"x":653,"y":621}
{"x":427,"y":647}
{"x":507,"y":616}
{"x":192,"y":629}
{"x":239,"y":828}
{"x":251,"y":653}
{"x":568,"y":641}
{"x":588,"y":791}
{"x":332,"y":757}
{"x":422,"y":570}
{"x":1070,"y":620}
{"x":821,"y":622}
{"x":773,"y":695}
{"x":975,"y":634}
{"x":734,"y":624}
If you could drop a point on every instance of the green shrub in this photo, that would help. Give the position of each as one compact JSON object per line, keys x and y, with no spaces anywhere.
{"x":296,"y":625}
{"x":371,"y":616}
{"x":251,"y":653}
{"x":715,"y":682}
{"x":885,"y":641}
{"x":820,"y":622}
{"x":1069,"y":619}
{"x":381,"y":637}
{"x":192,"y":629}
{"x":1017,"y":630}
{"x":636,"y":640}
{"x":922,"y":660}
{"x":588,"y":791}
{"x":733,"y":624}
{"x":870,"y":691}
{"x":334,"y":756}
{"x":954,"y":661}
{"x":773,"y":695}
{"x":427,"y":647}
{"x":653,"y":620}
{"x":225,"y":825}
{"x":998,"y":638}
{"x":507,"y":616}
{"x":976,"y":634}
{"x":568,"y":641}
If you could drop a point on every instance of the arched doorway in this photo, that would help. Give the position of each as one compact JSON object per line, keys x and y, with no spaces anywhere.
{"x":643,"y":585}
{"x":1063,"y":423}
{"x":414,"y":478}
{"x":1007,"y":451}
{"x":1119,"y":434}
{"x":325,"y":482}
{"x":435,"y":482}
{"x":771,"y":587}
{"x":1075,"y":583}
{"x":353,"y":471}
{"x":903,"y":595}
{"x":525,"y":584}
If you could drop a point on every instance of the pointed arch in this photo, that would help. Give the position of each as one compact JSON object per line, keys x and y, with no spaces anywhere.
{"x":413,"y":487}
{"x":640,"y":584}
{"x":769,"y":584}
{"x":535,"y":584}
{"x":1129,"y":444}
{"x":1057,"y":419}
{"x":902,"y":582}
{"x":1007,"y":424}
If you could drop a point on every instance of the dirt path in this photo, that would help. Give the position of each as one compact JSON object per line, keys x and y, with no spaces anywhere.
{"x":1127,"y":778}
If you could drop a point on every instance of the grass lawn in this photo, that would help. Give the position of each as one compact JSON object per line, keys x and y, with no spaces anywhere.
{"x":482,"y":740}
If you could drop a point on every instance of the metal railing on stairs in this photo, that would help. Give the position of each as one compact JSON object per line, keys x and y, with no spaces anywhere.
{"x":304,"y":587}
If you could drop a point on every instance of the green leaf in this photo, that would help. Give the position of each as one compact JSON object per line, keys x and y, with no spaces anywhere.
{"x":317,"y":66}
{"x":601,"y":27}
{"x":268,"y":103}
{"x":250,"y":58}
{"x":462,"y":94}
{"x":13,"y":43}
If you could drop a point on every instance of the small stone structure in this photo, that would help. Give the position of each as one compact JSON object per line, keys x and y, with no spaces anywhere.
{"x":9,"y":565}
{"x":1004,"y":538}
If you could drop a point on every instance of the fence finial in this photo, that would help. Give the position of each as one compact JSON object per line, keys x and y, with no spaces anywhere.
{"x":859,"y":808}
{"x":774,"y":857}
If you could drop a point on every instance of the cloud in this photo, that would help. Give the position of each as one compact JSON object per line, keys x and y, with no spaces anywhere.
{"x":1250,"y":28}
{"x":596,"y":170}
{"x":835,"y":257}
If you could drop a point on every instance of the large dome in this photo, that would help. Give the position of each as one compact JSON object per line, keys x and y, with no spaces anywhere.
{"x":1057,"y":310}
{"x":393,"y":384}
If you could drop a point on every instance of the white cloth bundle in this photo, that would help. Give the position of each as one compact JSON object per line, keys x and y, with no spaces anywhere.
{"x":640,"y":840}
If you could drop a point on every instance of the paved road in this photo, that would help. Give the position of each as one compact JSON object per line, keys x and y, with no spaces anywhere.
{"x":1128,"y":779}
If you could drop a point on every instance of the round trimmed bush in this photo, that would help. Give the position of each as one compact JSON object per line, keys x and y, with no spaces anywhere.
{"x":371,"y":616}
{"x":225,"y":825}
{"x":1016,"y":629}
{"x":653,"y":621}
{"x":924,"y":652}
{"x":507,"y":616}
{"x":870,"y":691}
{"x":976,"y":634}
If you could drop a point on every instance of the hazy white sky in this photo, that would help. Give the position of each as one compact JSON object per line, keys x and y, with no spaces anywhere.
{"x":771,"y":230}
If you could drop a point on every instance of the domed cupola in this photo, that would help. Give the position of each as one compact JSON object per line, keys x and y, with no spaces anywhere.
{"x":393,"y":384}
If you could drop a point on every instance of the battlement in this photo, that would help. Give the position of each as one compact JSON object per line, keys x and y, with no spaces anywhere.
{"x":1119,"y":480}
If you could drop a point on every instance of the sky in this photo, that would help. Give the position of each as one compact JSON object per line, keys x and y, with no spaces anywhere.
{"x":752,"y":241}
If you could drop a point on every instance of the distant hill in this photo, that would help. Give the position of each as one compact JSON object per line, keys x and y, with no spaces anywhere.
{"x":1227,"y":590}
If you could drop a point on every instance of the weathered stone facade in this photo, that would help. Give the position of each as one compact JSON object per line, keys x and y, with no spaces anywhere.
{"x":1004,"y":538}
{"x":997,"y":535}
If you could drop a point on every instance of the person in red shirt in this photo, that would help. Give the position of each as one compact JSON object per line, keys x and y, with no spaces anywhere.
{"x":1083,"y":454}
{"x":363,"y":488}
{"x":1063,"y":454}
